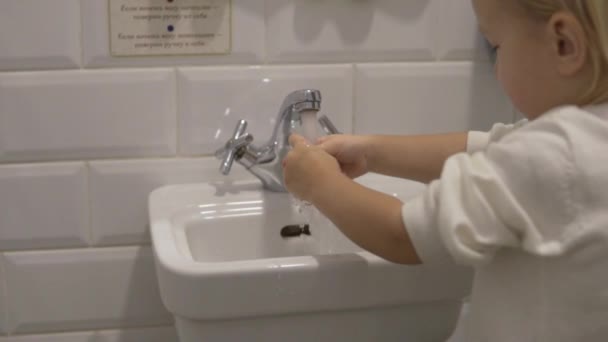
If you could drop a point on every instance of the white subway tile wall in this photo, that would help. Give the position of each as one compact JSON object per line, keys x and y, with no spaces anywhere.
{"x":212,"y":100}
{"x":80,"y":149}
{"x":66,"y":337}
{"x":458,"y":37}
{"x":66,"y":290}
{"x":162,"y":334}
{"x":3,"y":306}
{"x":346,"y":30}
{"x":159,"y":334}
{"x":87,"y":114}
{"x":38,"y":34}
{"x":419,"y":98}
{"x":44,"y":206}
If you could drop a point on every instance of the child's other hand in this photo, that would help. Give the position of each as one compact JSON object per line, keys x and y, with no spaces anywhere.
{"x":349,"y":150}
{"x":306,"y":166}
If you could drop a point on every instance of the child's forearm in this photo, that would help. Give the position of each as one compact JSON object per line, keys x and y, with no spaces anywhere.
{"x":369,"y":218}
{"x":419,"y":158}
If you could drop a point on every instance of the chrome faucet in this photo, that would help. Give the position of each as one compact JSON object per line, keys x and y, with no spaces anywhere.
{"x":264,"y":161}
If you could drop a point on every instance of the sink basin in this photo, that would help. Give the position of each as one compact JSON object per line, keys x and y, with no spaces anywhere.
{"x":227,"y":274}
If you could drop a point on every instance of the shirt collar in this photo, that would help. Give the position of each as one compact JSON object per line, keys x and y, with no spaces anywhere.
{"x":600,"y":110}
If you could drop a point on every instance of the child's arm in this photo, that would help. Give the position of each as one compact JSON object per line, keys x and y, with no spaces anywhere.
{"x":419,"y":158}
{"x":369,"y":218}
{"x":471,"y":209}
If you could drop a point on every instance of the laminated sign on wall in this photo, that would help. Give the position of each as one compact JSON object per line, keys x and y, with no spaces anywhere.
{"x":169,"y":27}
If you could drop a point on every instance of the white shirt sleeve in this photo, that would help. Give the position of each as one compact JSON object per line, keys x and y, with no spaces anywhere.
{"x":478,"y":141}
{"x":515,"y":193}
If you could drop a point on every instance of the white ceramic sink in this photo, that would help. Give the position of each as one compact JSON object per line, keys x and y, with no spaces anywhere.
{"x":220,"y":258}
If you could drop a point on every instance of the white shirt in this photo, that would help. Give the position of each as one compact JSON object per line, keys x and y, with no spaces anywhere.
{"x":527,"y":206}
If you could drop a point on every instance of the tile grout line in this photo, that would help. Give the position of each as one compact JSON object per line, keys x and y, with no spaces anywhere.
{"x":88,"y":191}
{"x":81,"y":15}
{"x":266,"y":20}
{"x":436,"y":47}
{"x":4,"y":293}
{"x":176,"y":110}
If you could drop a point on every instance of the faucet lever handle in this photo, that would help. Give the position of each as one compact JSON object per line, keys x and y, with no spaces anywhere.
{"x":231,"y":150}
{"x":328,"y":126}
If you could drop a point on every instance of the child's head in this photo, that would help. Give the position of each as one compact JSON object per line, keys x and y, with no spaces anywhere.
{"x":549,"y":52}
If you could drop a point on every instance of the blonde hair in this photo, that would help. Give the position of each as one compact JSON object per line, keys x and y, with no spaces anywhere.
{"x":593,"y":16}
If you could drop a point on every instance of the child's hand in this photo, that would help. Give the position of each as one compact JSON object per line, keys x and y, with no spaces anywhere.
{"x":306,"y":166}
{"x":349,"y":150}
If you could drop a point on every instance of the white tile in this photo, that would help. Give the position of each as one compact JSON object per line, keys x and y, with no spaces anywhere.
{"x":157,"y":334}
{"x":43,"y":206}
{"x":458,"y":36}
{"x":66,"y":337}
{"x":38,"y":34}
{"x":247,"y":38}
{"x":424,"y":98}
{"x":212,"y":100}
{"x":3,"y":299}
{"x":346,"y":30}
{"x":161,"y":334}
{"x":120,"y":189}
{"x":87,"y":114}
{"x":83,"y":289}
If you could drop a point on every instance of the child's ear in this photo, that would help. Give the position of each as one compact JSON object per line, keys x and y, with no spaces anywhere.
{"x":569,"y":43}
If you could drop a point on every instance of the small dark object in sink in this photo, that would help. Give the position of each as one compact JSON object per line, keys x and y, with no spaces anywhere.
{"x":294,"y":230}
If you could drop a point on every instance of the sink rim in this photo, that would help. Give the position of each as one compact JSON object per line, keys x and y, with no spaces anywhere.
{"x":161,"y":227}
{"x":172,"y":258}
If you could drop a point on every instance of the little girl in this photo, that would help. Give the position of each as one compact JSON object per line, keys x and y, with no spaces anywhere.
{"x":525,"y":204}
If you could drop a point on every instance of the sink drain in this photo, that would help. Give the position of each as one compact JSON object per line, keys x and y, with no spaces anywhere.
{"x":294,"y":230}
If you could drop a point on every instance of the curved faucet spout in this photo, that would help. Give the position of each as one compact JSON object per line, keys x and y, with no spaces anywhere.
{"x":265,"y":161}
{"x":289,"y":114}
